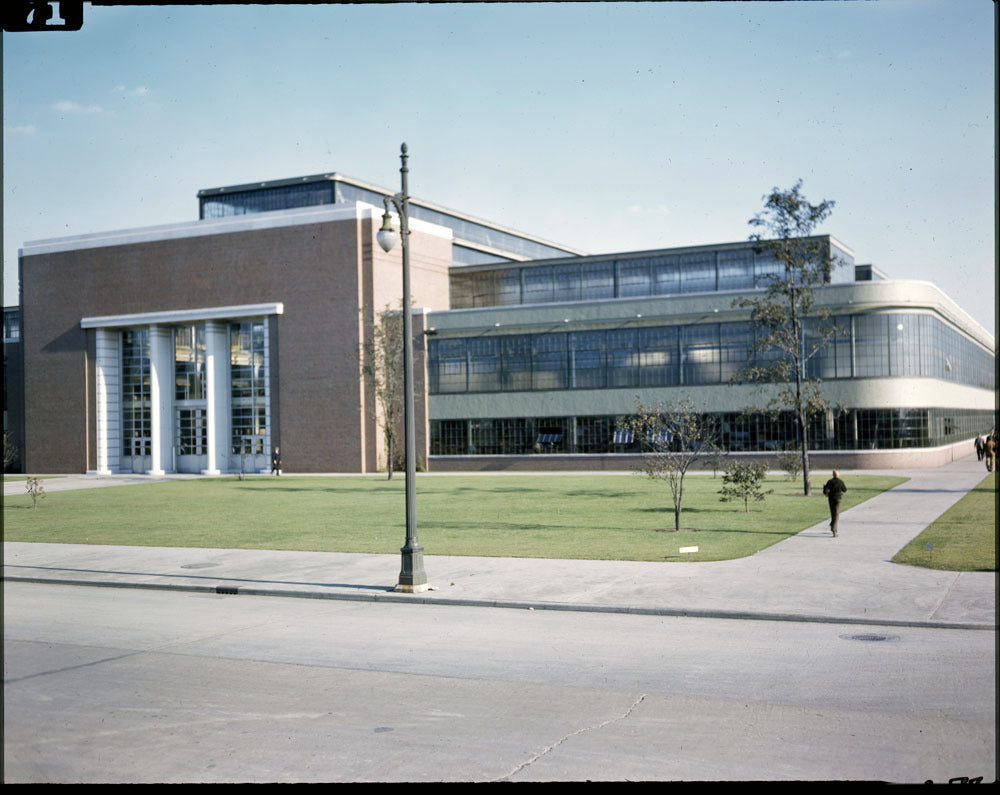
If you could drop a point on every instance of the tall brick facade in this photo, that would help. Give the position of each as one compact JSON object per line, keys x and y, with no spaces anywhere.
{"x":318,"y":264}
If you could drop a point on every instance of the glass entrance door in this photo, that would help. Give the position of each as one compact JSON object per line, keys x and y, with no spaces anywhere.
{"x":191,"y":433}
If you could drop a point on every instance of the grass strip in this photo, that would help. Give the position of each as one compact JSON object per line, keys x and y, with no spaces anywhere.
{"x":964,"y":538}
{"x":535,"y":516}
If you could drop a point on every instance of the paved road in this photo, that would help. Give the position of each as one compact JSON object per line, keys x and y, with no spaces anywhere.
{"x":106,"y":685}
{"x":809,"y":577}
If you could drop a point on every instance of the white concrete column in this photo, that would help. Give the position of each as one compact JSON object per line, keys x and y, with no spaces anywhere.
{"x":161,"y":393}
{"x":108,"y":401}
{"x":217,"y":396}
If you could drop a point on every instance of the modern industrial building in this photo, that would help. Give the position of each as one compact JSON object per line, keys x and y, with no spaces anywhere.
{"x":201,"y":346}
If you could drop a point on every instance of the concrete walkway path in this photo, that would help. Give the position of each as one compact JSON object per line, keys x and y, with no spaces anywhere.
{"x":809,"y":577}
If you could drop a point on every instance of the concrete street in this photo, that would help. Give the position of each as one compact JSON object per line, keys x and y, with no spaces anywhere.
{"x":112,"y":685}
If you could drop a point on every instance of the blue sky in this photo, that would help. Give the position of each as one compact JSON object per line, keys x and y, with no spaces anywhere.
{"x":605,"y":126}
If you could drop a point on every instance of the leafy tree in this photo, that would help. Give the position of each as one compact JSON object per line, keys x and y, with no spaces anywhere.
{"x":801,"y":264}
{"x":381,"y":359}
{"x":743,"y":480}
{"x":674,"y":437}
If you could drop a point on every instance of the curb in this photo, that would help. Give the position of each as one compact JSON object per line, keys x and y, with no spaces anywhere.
{"x":391,"y":597}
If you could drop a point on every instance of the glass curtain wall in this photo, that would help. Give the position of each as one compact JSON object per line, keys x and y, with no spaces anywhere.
{"x":863,"y":346}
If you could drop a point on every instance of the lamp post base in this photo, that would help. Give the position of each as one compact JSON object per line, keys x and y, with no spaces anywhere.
{"x":412,"y":588}
{"x":412,"y":577}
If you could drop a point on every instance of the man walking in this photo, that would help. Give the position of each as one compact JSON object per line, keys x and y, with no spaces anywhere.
{"x":834,"y":489}
{"x":989,"y":451}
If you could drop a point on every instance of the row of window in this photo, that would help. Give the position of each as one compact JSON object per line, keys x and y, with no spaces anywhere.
{"x":863,"y":346}
{"x":852,"y":429}
{"x":619,"y":277}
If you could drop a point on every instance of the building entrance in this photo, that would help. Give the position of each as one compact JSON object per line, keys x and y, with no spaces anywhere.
{"x":191,"y":435}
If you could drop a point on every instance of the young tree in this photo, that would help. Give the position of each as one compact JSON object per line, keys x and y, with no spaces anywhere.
{"x":675,"y":436}
{"x":742,"y":481}
{"x":800,"y":266}
{"x":36,"y":490}
{"x":381,"y":359}
{"x":791,"y":462}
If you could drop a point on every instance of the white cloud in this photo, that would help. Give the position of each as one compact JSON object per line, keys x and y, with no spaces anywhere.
{"x":67,"y":106}
{"x":138,"y":91}
{"x":23,"y":129}
{"x":656,"y":209}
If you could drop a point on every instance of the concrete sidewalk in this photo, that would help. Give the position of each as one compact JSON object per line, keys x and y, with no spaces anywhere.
{"x":809,"y":577}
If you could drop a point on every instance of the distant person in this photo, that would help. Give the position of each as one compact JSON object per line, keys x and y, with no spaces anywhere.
{"x":990,"y":451}
{"x":833,"y":490}
{"x":980,"y":446}
{"x":276,"y":462}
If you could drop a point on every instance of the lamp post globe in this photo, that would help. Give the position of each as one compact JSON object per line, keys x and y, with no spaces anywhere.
{"x":387,"y":236}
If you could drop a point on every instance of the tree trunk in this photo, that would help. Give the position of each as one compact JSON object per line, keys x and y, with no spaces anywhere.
{"x":391,"y":454}
{"x":800,"y":412}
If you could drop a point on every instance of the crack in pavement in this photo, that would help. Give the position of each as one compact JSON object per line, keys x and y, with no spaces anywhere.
{"x":561,"y":740}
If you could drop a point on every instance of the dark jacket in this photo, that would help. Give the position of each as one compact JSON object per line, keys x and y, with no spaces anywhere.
{"x":834,"y":488}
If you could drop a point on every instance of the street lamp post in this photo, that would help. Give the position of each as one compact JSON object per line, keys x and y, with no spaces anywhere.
{"x":412,"y":577}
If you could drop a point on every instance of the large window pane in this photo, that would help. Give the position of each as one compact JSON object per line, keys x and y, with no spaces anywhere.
{"x":537,"y":285}
{"x":700,"y":354}
{"x":665,"y":276}
{"x":549,"y":361}
{"x":658,"y":357}
{"x":871,"y":346}
{"x":597,"y":280}
{"x":515,"y":359}
{"x":484,"y":364}
{"x":566,"y":282}
{"x":622,"y":357}
{"x":633,"y":277}
{"x":736,"y":269}
{"x":447,"y":362}
{"x":735,"y":341}
{"x":587,"y":369}
{"x":697,"y":272}
{"x":189,"y":363}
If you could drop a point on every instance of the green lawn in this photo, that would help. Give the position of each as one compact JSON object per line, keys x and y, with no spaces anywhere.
{"x":590,"y":517}
{"x":963,"y":539}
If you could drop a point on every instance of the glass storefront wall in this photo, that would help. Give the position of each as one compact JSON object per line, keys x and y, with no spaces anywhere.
{"x":248,"y":392}
{"x":851,"y":429}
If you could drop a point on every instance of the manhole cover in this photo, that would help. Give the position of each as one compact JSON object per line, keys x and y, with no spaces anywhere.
{"x":870,"y":637}
{"x":198,"y":565}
